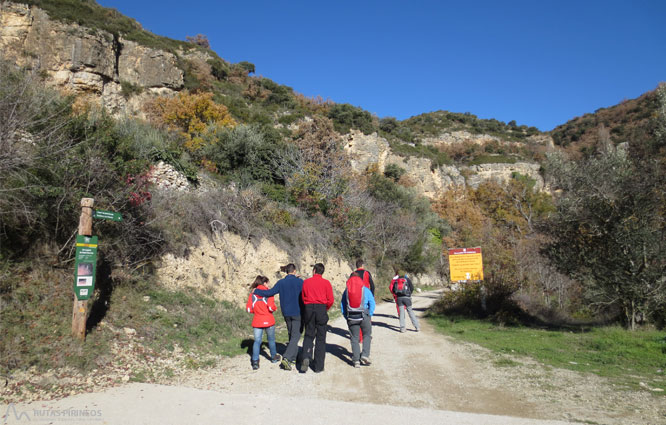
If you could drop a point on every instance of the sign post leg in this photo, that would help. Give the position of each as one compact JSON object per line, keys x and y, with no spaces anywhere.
{"x":80,"y":309}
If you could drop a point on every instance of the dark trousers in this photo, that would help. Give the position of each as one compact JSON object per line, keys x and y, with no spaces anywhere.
{"x":294,"y":330}
{"x":355,"y":329}
{"x":315,"y":319}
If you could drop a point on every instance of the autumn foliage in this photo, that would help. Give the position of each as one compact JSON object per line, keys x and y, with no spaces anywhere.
{"x":194,"y":115}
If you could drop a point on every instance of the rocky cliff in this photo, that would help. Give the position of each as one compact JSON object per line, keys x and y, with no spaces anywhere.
{"x":225,"y":265}
{"x":368,"y":151}
{"x":119,"y":74}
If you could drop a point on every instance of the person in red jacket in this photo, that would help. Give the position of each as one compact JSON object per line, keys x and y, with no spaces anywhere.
{"x":317,"y":295}
{"x":262,"y":308}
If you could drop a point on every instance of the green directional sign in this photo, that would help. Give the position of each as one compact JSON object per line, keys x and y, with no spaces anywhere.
{"x":85,"y":266}
{"x":107,"y":215}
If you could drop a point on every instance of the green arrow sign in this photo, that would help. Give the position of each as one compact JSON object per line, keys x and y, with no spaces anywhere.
{"x":107,"y":215}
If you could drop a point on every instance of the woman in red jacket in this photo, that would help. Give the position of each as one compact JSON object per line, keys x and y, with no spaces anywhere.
{"x":263,"y":309}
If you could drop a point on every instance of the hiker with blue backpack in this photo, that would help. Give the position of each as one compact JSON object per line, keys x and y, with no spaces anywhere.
{"x":358,"y":306}
{"x":401,"y":287}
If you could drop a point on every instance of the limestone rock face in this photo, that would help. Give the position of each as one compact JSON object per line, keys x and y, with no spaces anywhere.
{"x":85,"y":61}
{"x":373,"y":151}
{"x":366,"y":151}
{"x":225,"y":267}
{"x":146,"y":67}
{"x":461,"y":136}
{"x":502,"y":173}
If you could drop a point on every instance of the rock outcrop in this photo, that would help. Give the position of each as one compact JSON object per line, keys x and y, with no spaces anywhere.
{"x":225,"y":266}
{"x":373,"y":152}
{"x":87,"y":62}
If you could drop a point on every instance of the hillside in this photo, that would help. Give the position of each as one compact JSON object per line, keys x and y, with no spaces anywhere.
{"x":119,"y":64}
{"x":631,"y":120}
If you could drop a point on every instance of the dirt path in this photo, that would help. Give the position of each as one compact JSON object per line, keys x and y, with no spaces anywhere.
{"x":423,"y":377}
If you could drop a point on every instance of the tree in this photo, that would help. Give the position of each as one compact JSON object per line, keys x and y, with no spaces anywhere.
{"x":609,"y":232}
{"x":199,"y":40}
{"x":248,"y":67}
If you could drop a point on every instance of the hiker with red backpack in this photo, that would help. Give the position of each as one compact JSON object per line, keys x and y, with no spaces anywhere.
{"x":367,"y":280}
{"x":401,"y":287}
{"x":364,"y":275}
{"x":262,"y":308}
{"x":358,"y":306}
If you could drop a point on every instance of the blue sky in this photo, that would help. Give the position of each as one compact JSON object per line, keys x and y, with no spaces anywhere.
{"x":540,"y":63}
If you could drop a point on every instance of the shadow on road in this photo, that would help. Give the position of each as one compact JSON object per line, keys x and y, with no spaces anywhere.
{"x":386,"y":325}
{"x":338,"y":331}
{"x":247,"y":344}
{"x":340,"y":352}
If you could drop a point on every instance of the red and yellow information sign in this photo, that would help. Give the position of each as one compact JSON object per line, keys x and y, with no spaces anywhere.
{"x":465,"y":264}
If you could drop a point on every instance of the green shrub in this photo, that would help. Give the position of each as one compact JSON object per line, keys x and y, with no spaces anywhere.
{"x":290,"y":118}
{"x":243,"y":153}
{"x":346,"y":117}
{"x":219,"y":68}
{"x":394,"y":172}
{"x":128,"y":89}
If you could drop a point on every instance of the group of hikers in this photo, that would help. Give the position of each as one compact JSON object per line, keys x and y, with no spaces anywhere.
{"x":305,"y":305}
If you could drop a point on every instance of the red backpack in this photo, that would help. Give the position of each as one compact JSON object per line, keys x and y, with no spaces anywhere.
{"x":355,"y":299}
{"x":366,"y":278}
{"x":400,"y":286}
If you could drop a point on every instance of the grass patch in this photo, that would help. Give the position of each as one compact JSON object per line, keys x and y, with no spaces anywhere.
{"x":166,"y":318}
{"x":626,"y":357}
{"x":35,"y":318}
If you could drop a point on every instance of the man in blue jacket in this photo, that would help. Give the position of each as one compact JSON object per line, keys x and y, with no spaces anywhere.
{"x":289,"y":288}
{"x":358,"y":306}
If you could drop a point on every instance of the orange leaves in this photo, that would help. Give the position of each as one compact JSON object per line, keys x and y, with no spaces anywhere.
{"x":194,"y":115}
{"x":465,"y":217}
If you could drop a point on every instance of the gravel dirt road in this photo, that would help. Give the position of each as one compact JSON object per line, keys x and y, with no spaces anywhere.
{"x":419,"y":377}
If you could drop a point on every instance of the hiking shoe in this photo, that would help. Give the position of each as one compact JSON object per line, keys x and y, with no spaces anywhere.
{"x":305,"y":364}
{"x":357,"y":364}
{"x":285,"y":364}
{"x":255,"y":365}
{"x":276,"y":358}
{"x":365,"y":361}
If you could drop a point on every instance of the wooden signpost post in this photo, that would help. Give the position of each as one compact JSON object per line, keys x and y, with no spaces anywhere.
{"x":80,"y":311}
{"x":85,"y":265}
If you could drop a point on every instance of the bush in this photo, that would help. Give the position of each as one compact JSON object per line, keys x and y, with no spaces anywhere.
{"x":243,"y":154}
{"x":394,"y":172}
{"x":192,"y":115}
{"x":346,"y":117}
